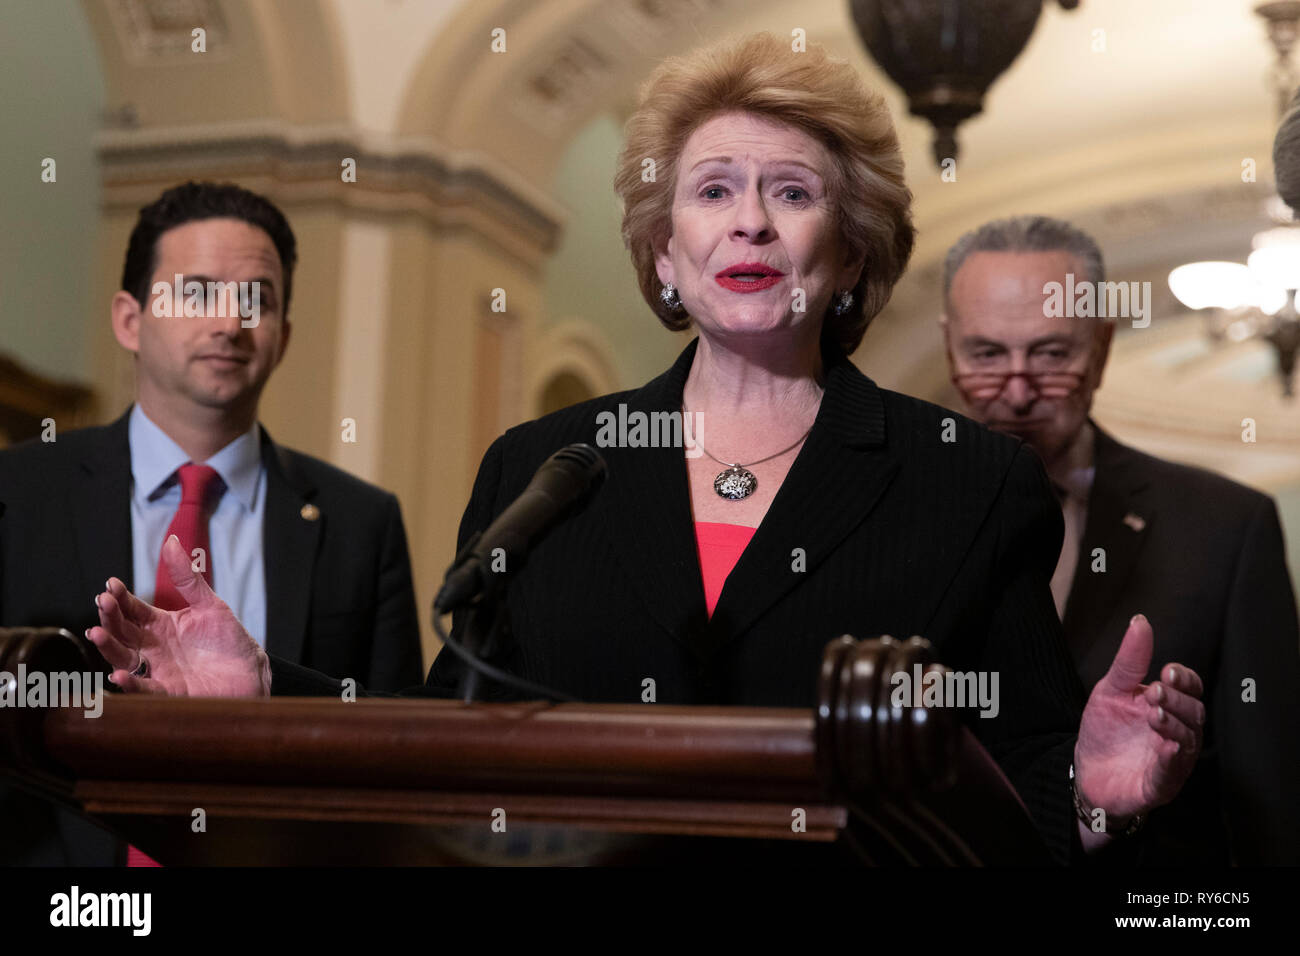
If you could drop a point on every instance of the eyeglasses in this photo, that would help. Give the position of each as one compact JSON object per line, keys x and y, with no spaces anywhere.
{"x":987,"y":385}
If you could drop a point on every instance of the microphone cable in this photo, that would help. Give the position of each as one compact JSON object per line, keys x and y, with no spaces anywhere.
{"x":475,"y":662}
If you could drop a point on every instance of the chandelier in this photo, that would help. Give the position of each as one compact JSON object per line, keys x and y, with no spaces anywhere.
{"x":1257,"y":299}
{"x":946,"y":53}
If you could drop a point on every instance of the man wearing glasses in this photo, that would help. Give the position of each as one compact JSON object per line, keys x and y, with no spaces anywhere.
{"x":1199,"y":555}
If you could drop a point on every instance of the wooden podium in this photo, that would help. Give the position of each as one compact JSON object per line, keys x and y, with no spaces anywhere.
{"x":316,"y":781}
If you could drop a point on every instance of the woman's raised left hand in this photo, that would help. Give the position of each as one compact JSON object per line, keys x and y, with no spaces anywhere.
{"x":1138,"y":743}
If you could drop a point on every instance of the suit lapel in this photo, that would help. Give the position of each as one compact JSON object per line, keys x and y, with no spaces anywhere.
{"x":100,"y":502}
{"x":1119,"y":518}
{"x":649,"y":508}
{"x":291,"y":530}
{"x":839,"y":475}
{"x":836,"y":480}
{"x":101,"y":508}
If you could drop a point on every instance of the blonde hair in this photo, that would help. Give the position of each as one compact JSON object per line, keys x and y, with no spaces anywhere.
{"x":811,"y":91}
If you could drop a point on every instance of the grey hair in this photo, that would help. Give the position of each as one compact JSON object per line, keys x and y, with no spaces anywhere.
{"x":1286,"y":155}
{"x":1026,"y":234}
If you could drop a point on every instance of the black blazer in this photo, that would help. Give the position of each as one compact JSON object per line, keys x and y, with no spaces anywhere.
{"x":338,"y":587}
{"x":1202,"y":558}
{"x":904,"y":533}
{"x":339,"y":591}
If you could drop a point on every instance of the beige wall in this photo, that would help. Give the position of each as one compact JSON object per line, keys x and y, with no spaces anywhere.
{"x":52,"y":91}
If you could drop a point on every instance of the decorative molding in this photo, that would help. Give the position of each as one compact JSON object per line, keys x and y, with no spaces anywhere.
{"x":449,"y":190}
{"x":636,"y":21}
{"x":561,"y":91}
{"x":1212,"y":205}
{"x":153,"y":32}
{"x":571,"y":81}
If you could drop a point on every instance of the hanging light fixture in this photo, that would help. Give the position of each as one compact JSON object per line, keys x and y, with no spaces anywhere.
{"x":1256,"y":300}
{"x":946,"y":53}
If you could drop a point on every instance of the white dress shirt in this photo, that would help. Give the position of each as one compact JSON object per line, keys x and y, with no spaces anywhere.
{"x":1072,"y":479}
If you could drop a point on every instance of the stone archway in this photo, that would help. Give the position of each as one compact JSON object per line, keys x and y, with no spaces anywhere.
{"x":572,"y":363}
{"x":562,"y":390}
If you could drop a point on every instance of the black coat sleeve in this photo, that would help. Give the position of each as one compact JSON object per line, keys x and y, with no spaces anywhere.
{"x":289,"y":679}
{"x":395,"y":648}
{"x":296,"y":680}
{"x":484,"y":504}
{"x":1041,"y":699}
{"x":1256,"y":701}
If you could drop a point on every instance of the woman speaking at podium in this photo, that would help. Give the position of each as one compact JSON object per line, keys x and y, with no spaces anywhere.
{"x":765,"y":208}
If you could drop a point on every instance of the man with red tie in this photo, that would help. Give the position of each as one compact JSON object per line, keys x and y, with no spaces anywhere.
{"x":308,"y":557}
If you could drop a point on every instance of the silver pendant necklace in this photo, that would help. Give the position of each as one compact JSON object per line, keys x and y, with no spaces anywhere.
{"x":737,"y":481}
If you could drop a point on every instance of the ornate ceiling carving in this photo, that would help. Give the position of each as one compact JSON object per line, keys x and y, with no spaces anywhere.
{"x":162,"y":30}
{"x":447,"y":190}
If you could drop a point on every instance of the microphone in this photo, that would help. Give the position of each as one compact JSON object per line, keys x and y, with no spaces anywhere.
{"x":565,"y":478}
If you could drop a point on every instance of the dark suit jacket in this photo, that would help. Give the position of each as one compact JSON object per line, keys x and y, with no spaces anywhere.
{"x":339,"y":591}
{"x":904,"y":533}
{"x":1202,"y":558}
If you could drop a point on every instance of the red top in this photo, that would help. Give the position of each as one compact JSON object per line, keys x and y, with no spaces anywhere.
{"x":719,"y":546}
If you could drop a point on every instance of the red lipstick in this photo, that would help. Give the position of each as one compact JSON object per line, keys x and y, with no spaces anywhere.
{"x":748,"y":277}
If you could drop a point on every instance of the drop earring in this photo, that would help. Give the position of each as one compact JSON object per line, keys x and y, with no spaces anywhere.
{"x":672,"y":301}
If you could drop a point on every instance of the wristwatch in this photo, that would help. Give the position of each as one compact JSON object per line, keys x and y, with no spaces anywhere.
{"x":1084,"y":812}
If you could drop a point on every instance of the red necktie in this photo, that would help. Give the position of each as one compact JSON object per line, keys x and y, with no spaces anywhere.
{"x":200,"y":490}
{"x":200,"y":486}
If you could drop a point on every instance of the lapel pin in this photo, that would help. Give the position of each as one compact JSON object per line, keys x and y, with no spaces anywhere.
{"x":311,"y":512}
{"x":1136,"y":522}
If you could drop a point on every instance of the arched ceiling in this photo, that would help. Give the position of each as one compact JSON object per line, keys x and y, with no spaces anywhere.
{"x":261,"y":62}
{"x":1177,"y":78}
{"x":1140,"y":142}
